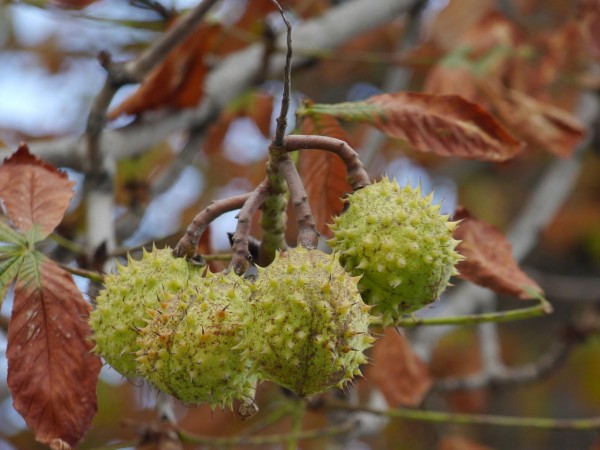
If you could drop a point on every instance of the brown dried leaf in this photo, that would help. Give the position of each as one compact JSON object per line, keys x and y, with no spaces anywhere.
{"x":34,"y":192}
{"x":543,"y":124}
{"x":589,"y":22}
{"x":398,"y":372}
{"x":72,"y":4}
{"x":483,"y":51}
{"x":446,"y":125}
{"x":460,"y":443}
{"x":489,"y":261}
{"x":52,"y":374}
{"x":323,"y":173}
{"x":178,"y":81}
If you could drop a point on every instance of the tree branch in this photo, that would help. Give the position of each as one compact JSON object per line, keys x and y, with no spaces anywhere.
{"x":308,"y":236}
{"x":287,"y":82}
{"x":227,"y":81}
{"x":241,"y":253}
{"x":188,"y":244}
{"x":357,"y":176}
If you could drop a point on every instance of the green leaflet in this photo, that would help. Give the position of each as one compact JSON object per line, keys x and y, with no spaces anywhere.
{"x":8,"y":270}
{"x":10,"y":235}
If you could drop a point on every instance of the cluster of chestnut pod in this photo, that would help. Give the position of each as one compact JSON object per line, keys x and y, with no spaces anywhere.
{"x":303,"y":323}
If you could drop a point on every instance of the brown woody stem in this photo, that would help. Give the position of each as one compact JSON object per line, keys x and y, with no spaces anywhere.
{"x":241,"y":253}
{"x":287,"y":77}
{"x":357,"y":175}
{"x":188,"y":244}
{"x":307,"y":231}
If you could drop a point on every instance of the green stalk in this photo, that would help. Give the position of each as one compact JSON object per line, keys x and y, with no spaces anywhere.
{"x":542,"y":308}
{"x":544,"y":423}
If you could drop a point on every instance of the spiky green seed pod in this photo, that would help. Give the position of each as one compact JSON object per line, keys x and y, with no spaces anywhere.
{"x":400,"y":244}
{"x":306,"y":326}
{"x":187,"y":348}
{"x":121,"y":308}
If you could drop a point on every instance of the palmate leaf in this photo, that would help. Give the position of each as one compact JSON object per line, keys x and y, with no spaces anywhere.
{"x":446,"y":125}
{"x":52,"y":373}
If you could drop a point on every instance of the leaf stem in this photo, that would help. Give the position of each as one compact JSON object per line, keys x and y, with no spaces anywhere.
{"x":542,"y":308}
{"x":89,"y":274}
{"x":188,"y":244}
{"x":63,"y":242}
{"x":544,"y":423}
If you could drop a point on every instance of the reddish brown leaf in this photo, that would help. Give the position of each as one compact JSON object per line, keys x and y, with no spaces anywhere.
{"x":398,"y":372}
{"x":589,"y":21}
{"x":33,"y":192}
{"x":73,"y":4}
{"x":540,"y":123}
{"x":483,"y":51}
{"x":178,"y":81}
{"x":447,"y":125}
{"x":460,"y":443}
{"x":52,"y":374}
{"x":323,"y":173}
{"x":489,"y":261}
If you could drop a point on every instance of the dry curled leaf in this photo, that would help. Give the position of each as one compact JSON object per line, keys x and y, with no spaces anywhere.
{"x":178,"y":81}
{"x":397,"y":371}
{"x":34,"y":192}
{"x":446,"y":125}
{"x":589,"y":21}
{"x":488,"y":258}
{"x":552,"y":128}
{"x":52,"y":373}
{"x":323,"y":173}
{"x":484,"y":51}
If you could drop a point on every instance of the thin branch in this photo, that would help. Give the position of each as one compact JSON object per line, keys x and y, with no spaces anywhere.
{"x":226,"y":82}
{"x":287,"y":81}
{"x":357,"y":175}
{"x":308,"y":236}
{"x":188,"y":244}
{"x":241,"y":253}
{"x":89,"y":274}
{"x":544,"y":423}
{"x":136,"y":69}
{"x":542,"y":308}
{"x":334,"y":430}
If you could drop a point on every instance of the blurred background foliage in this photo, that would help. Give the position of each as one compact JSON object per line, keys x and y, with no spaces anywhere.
{"x":49,"y":75}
